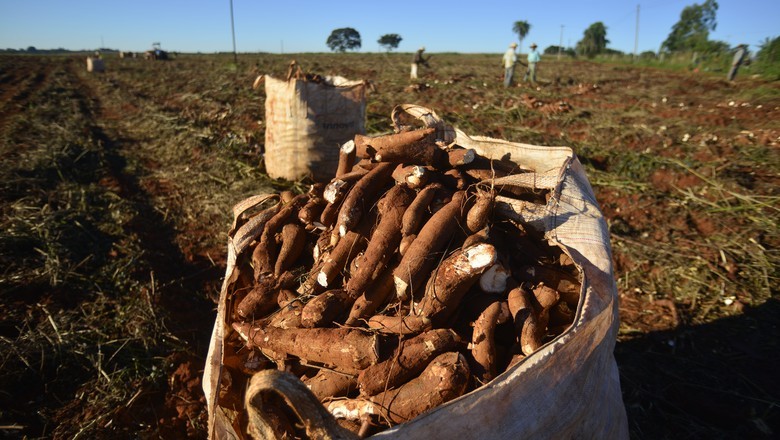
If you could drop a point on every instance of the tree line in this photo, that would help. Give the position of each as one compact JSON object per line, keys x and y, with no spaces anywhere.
{"x":689,"y":35}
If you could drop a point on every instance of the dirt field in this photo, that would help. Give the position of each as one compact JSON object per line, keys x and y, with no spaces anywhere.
{"x":116,"y":197}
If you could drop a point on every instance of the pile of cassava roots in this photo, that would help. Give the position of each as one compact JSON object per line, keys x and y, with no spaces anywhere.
{"x":406,"y":281}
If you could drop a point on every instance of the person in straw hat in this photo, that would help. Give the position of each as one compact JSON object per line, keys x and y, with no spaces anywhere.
{"x":509,"y":61}
{"x":417,"y":60}
{"x":533,"y":58}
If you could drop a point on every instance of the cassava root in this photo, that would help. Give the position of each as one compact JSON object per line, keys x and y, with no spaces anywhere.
{"x":407,"y":280}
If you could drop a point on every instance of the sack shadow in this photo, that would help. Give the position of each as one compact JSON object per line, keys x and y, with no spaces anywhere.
{"x":716,"y":381}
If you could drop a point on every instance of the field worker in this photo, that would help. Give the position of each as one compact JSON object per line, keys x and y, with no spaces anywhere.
{"x":739,"y":57}
{"x":533,"y":58}
{"x":509,"y":61}
{"x":417,"y":60}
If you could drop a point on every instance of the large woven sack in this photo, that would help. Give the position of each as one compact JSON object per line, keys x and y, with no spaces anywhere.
{"x":569,"y":388}
{"x":306,"y":123}
{"x":95,"y":65}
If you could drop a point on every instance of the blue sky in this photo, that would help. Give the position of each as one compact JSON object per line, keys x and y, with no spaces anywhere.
{"x":304,"y":26}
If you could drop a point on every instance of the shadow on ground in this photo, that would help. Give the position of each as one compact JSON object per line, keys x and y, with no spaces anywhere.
{"x":713,"y":381}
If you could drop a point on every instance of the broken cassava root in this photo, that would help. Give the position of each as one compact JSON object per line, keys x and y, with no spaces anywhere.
{"x":443,"y":293}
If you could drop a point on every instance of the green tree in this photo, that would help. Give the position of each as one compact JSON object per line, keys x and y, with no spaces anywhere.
{"x":343,"y":39}
{"x":389,"y":41}
{"x":691,"y":32}
{"x":594,"y":40}
{"x":768,"y":58}
{"x":521,"y":28}
{"x":553,"y":50}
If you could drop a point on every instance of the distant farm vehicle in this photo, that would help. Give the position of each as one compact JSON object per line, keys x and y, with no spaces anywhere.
{"x":156,"y":53}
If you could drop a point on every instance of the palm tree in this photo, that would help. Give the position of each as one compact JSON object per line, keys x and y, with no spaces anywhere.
{"x":521,"y":28}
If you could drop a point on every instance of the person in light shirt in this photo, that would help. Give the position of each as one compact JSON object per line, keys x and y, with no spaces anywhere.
{"x":509,"y":61}
{"x":533,"y":58}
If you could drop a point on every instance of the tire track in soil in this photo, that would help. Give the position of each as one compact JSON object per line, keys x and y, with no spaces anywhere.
{"x":178,"y":281}
{"x":157,"y":235}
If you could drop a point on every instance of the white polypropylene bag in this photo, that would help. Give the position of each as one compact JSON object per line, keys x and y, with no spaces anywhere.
{"x":306,"y":122}
{"x":570,"y":387}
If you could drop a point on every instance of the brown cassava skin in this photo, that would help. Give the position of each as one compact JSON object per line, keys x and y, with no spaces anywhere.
{"x":416,"y":147}
{"x":261,"y":300}
{"x":424,"y":251}
{"x":288,"y":316}
{"x":567,"y":285}
{"x":325,"y":308}
{"x":480,"y":212}
{"x":400,"y":325}
{"x":327,"y":384}
{"x":526,"y":319}
{"x":348,"y":246}
{"x":239,"y":283}
{"x":285,"y":296}
{"x":384,"y":240}
{"x":415,"y":215}
{"x":342,"y":348}
{"x":411,"y":358}
{"x":452,"y":279}
{"x":329,"y":214}
{"x":287,"y":280}
{"x":406,"y":241}
{"x":374,"y":296}
{"x":413,"y":176}
{"x":546,"y":297}
{"x":293,"y":242}
{"x":361,"y":197}
{"x":483,"y":344}
{"x":461,"y":156}
{"x":351,"y":177}
{"x":445,"y":378}
{"x":286,"y":197}
{"x":481,"y":236}
{"x":485,"y":175}
{"x":312,"y":210}
{"x":264,"y":254}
